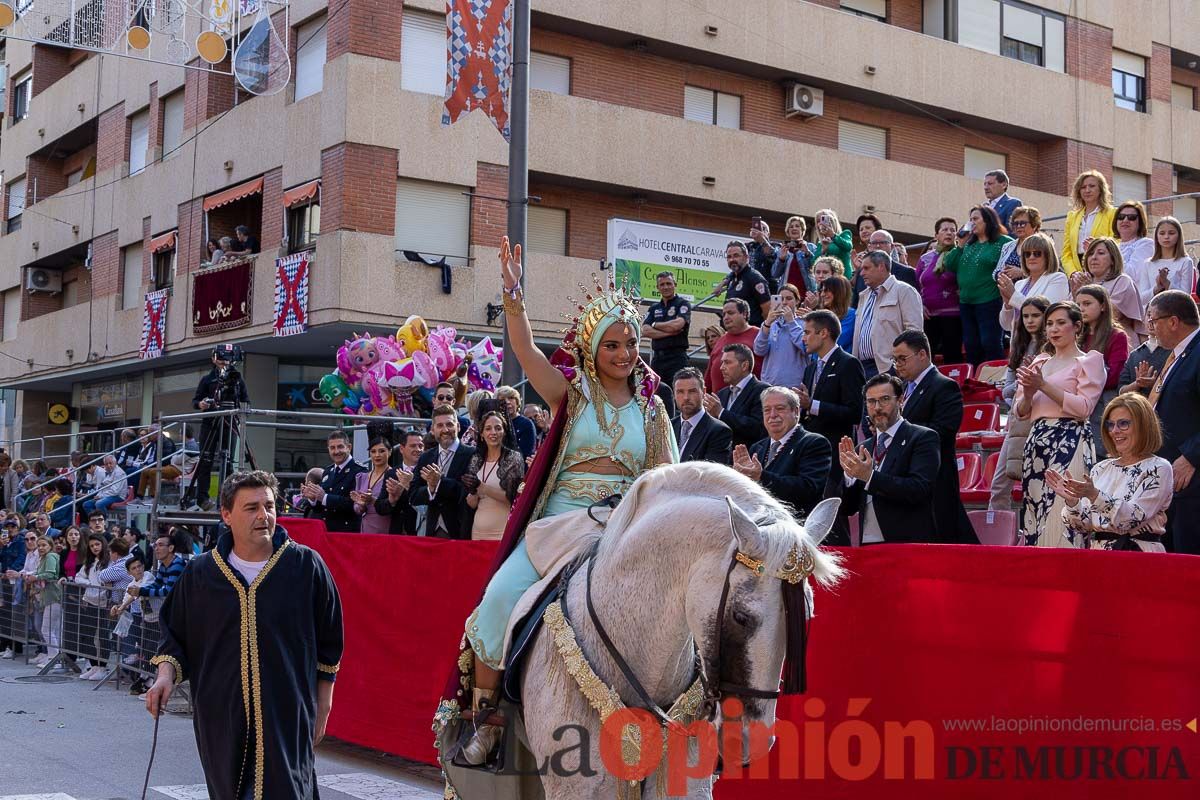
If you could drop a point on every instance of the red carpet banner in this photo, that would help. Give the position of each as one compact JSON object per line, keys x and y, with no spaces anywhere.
{"x":221,"y":296}
{"x":291,"y":294}
{"x":154,"y":324}
{"x":479,"y":55}
{"x":934,"y":671}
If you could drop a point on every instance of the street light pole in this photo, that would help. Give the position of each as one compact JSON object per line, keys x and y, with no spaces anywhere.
{"x":518,"y":163}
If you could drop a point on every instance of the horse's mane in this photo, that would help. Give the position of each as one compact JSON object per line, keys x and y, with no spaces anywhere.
{"x":703,"y":480}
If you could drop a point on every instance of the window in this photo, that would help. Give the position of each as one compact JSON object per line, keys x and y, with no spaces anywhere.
{"x":547,"y":231}
{"x":433,"y":219}
{"x":712,"y":108}
{"x":172,"y":113}
{"x":1006,"y":27}
{"x":423,"y":53}
{"x":875,"y":9}
{"x":12,"y":313}
{"x":70,"y":295}
{"x":304,"y":226}
{"x":310,"y":57}
{"x":550,"y":73}
{"x":977,"y":163}
{"x":865,"y":140}
{"x":1183,"y":96}
{"x":1129,"y":81}
{"x":1184,"y":207}
{"x":16,"y":205}
{"x":22,"y":89}
{"x":74,"y":177}
{"x":1128,"y":185}
{"x":131,"y":276}
{"x":139,"y":141}
{"x":164,"y":269}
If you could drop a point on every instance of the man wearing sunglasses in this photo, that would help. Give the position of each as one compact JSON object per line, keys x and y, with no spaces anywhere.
{"x":1176,"y":398}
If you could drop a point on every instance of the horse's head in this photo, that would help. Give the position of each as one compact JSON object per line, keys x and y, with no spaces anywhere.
{"x":760,"y":616}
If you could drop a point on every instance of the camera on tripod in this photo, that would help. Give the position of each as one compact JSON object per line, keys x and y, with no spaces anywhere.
{"x":227,"y":356}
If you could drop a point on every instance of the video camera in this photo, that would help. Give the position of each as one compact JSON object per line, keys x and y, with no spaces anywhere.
{"x":229,"y":353}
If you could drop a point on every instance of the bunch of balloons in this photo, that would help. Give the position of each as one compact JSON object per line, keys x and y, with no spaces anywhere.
{"x":378,"y":375}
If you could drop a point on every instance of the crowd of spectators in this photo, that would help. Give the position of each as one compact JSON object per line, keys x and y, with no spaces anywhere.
{"x":241,"y":243}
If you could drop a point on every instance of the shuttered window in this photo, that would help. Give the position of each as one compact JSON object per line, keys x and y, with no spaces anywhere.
{"x":977,"y":163}
{"x":172,"y":123}
{"x":547,"y":232}
{"x":16,"y":198}
{"x":979,"y":24}
{"x":131,"y":276}
{"x":712,"y":108}
{"x":139,"y":141}
{"x":423,"y":53}
{"x":865,"y":140}
{"x":12,"y":313}
{"x":550,"y":73}
{"x":433,"y":219}
{"x":1128,"y":185}
{"x":1183,"y":96}
{"x":1184,"y":207}
{"x":310,"y":57}
{"x":866,"y":8}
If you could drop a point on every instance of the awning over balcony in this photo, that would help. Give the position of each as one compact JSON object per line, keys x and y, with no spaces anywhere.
{"x":233,"y":195}
{"x":164,"y":242}
{"x":301,"y":194}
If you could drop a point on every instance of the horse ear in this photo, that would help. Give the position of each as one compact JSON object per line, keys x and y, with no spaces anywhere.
{"x":743,"y":527}
{"x":821,"y":519}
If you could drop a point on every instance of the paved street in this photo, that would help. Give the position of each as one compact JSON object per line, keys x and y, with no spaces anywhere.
{"x":63,"y":741}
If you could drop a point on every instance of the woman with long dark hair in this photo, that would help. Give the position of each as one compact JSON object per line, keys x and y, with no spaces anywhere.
{"x":1102,"y":333}
{"x":1028,"y":342}
{"x":836,"y":294}
{"x":1057,"y":393}
{"x":91,"y":621}
{"x":368,"y":486}
{"x":493,"y":477}
{"x":972,"y":259}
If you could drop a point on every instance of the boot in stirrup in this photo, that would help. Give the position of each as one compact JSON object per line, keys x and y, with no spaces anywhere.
{"x":486,"y":736}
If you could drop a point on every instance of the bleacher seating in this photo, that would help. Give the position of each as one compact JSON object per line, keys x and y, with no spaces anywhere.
{"x":959,"y":372}
{"x":995,"y":527}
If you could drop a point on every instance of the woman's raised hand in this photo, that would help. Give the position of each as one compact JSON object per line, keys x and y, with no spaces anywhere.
{"x":510,"y":265}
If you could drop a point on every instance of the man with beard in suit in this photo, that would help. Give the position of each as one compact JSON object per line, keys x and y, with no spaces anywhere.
{"x":331,"y":498}
{"x":790,"y":463}
{"x":890,"y":479}
{"x":701,"y":437}
{"x":437,"y":483}
{"x":934,"y":401}
{"x":739,"y":404}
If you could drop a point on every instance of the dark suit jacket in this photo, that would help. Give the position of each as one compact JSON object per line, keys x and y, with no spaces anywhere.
{"x":337,"y":509}
{"x":902,"y":487}
{"x":525,"y":432}
{"x":1179,"y":410}
{"x":450,"y":502}
{"x":936,"y":403}
{"x":745,"y":418}
{"x":840,"y":393}
{"x":800,"y":470}
{"x":711,"y":441}
{"x":1005,"y":208}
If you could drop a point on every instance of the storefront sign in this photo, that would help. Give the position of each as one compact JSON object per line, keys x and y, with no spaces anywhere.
{"x":641,"y":250}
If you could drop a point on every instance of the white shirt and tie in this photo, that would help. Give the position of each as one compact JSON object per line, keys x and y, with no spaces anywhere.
{"x":736,"y":390}
{"x":822,"y":363}
{"x":688,"y":426}
{"x":445,"y":456}
{"x":911,"y":386}
{"x":1172,"y":360}
{"x":871,"y":534}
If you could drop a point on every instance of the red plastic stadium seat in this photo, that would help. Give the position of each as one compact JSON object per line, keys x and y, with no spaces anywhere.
{"x":995,"y":527}
{"x":968,"y":470}
{"x":980,"y":417}
{"x":959,"y":372}
{"x":981,"y":493}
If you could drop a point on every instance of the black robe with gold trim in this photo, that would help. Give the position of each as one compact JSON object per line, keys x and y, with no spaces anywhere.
{"x":253,"y":654}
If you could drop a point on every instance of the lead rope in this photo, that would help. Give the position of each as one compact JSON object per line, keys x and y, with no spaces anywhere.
{"x":153,"y":747}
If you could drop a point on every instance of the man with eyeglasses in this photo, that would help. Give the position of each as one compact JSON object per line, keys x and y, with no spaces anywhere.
{"x":1175,"y":396}
{"x":169,"y":567}
{"x":882,"y":242}
{"x":890,"y":479}
{"x":1145,"y":362}
{"x":995,"y":189}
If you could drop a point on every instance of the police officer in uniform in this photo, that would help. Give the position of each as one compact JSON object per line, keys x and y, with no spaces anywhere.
{"x":666,"y":327}
{"x":746,"y":282}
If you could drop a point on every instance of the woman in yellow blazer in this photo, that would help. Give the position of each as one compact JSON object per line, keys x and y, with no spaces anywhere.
{"x":1091,"y":215}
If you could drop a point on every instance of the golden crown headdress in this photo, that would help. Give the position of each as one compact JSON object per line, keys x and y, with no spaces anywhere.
{"x":608,"y":299}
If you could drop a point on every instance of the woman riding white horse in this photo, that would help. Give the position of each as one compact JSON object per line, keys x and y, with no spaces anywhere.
{"x":608,"y":428}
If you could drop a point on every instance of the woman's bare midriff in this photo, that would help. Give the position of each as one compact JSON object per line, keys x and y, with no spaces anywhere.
{"x":598,"y":466}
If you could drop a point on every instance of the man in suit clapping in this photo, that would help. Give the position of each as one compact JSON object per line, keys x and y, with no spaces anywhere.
{"x":701,"y":437}
{"x":790,"y":463}
{"x":739,"y":404}
{"x":437,"y":484}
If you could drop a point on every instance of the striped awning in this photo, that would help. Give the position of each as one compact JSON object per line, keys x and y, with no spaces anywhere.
{"x":164,"y":242}
{"x":301,"y":194}
{"x":233,"y":195}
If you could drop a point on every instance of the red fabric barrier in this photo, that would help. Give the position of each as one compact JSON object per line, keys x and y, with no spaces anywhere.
{"x":919,"y":636}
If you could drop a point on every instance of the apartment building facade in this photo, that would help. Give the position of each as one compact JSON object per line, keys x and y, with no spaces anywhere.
{"x":681,"y":112}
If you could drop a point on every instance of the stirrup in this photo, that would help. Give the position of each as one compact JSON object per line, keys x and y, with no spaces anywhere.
{"x":486,"y":734}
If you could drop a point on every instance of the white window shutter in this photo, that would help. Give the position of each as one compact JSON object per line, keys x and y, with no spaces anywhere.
{"x":547,"y":230}
{"x":12,"y":313}
{"x":1024,"y":26}
{"x":865,"y":140}
{"x":977,"y":163}
{"x":131,"y":280}
{"x":172,"y":123}
{"x":16,"y":198}
{"x":979,"y":24}
{"x":433,"y":219}
{"x":698,"y":104}
{"x":1183,"y":96}
{"x":1128,"y":62}
{"x":139,"y":141}
{"x":550,"y":73}
{"x":1054,"y":56}
{"x":876,"y":8}
{"x":1128,"y":185}
{"x":423,"y":53}
{"x":729,"y":111}
{"x":310,"y":57}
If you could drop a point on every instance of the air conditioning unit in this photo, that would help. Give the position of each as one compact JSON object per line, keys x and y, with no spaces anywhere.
{"x":804,"y":101}
{"x":43,"y":280}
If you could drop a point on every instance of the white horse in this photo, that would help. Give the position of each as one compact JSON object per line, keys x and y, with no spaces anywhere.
{"x":659,"y":572}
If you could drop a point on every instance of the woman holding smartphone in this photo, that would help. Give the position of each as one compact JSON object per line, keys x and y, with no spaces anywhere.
{"x":780,"y":340}
{"x":829,"y":239}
